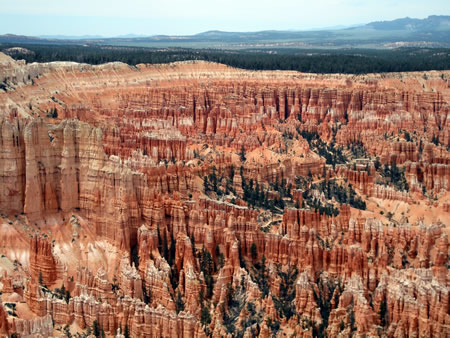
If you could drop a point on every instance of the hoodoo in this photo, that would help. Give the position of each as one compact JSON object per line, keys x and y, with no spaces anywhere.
{"x":194,"y":199}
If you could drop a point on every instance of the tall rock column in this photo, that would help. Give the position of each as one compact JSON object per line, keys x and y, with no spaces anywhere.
{"x":42,"y":262}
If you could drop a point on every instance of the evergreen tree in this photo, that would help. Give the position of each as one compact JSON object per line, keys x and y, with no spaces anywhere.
{"x":63,"y":289}
{"x":377,"y":163}
{"x":253,"y":252}
{"x":220,"y":257}
{"x":206,"y":266}
{"x":126,"y":332}
{"x":174,"y":277}
{"x":205,"y":316}
{"x":173,"y":249}
{"x":165,"y":247}
{"x":284,"y":304}
{"x":242,"y":154}
{"x":95,"y":329}
{"x":213,"y":179}
{"x":206,"y":187}
{"x":193,"y":244}
{"x":241,"y":258}
{"x":261,"y":276}
{"x":435,"y":140}
{"x":67,"y":331}
{"x":232,"y":172}
{"x":383,"y":313}
{"x":146,"y":294}
{"x":179,"y":302}
{"x":67,"y":296}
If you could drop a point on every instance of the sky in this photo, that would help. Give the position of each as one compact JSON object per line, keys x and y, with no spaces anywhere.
{"x":183,"y":17}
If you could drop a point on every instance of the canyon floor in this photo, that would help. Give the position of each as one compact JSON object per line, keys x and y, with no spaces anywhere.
{"x":192,"y":199}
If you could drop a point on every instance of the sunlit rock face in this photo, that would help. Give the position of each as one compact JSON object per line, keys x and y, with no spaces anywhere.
{"x":194,"y":199}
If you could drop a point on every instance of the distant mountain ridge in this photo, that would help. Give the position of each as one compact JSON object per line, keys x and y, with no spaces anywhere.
{"x":89,"y":37}
{"x":433,"y":22}
{"x":433,"y":31}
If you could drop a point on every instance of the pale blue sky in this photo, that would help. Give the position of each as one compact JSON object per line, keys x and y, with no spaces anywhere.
{"x":149,"y":17}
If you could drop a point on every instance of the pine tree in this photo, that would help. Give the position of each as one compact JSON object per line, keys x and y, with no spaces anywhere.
{"x":253,"y":251}
{"x":377,"y":163}
{"x":206,"y":266}
{"x":435,"y":140}
{"x":383,"y":313}
{"x":179,"y":302}
{"x":165,"y":247}
{"x":126,"y":332}
{"x":284,"y":303}
{"x":206,"y":186}
{"x":63,"y":289}
{"x":95,"y":329}
{"x":193,"y":244}
{"x":310,"y":176}
{"x":67,"y":331}
{"x":213,"y":180}
{"x":67,"y":296}
{"x":205,"y":317}
{"x":231,"y":172}
{"x":242,"y":154}
{"x":261,"y":276}
{"x":146,"y":295}
{"x":173,"y":249}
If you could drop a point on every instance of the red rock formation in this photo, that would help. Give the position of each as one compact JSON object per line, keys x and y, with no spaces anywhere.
{"x":36,"y":327}
{"x":388,"y":193}
{"x":7,"y":284}
{"x":113,"y":198}
{"x":42,"y":263}
{"x":4,"y":326}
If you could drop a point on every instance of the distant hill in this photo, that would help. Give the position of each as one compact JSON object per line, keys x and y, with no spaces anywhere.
{"x":433,"y":31}
{"x":87,"y":37}
{"x":69,"y":37}
{"x":432,"y":23}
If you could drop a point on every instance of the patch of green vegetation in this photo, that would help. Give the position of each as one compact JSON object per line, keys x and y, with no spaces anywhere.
{"x":354,"y":61}
{"x":207,"y":267}
{"x":260,"y":275}
{"x":395,"y":176}
{"x":333,"y":154}
{"x":357,"y":149}
{"x":284,"y":304}
{"x":383,"y":313}
{"x":62,"y":293}
{"x":343,"y":195}
{"x":255,"y":196}
{"x":53,"y":113}
{"x":235,"y":304}
{"x":323,"y":297}
{"x":179,"y":302}
{"x":274,"y":326}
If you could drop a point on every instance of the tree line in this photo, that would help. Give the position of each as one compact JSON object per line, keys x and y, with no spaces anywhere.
{"x":349,"y":61}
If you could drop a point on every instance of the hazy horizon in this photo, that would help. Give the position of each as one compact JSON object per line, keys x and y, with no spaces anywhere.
{"x":177,"y":17}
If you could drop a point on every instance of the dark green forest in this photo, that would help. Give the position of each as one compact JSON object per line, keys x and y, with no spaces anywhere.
{"x":350,"y":61}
